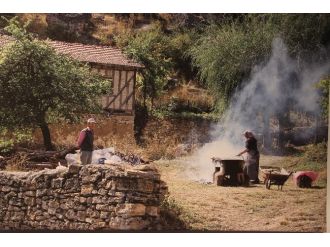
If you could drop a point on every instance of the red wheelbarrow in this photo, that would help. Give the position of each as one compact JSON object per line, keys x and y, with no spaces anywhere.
{"x":304,"y":179}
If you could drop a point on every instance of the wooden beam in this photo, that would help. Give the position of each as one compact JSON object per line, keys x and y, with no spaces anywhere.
{"x":115,"y":96}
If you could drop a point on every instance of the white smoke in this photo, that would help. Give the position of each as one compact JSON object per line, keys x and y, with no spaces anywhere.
{"x":270,"y":87}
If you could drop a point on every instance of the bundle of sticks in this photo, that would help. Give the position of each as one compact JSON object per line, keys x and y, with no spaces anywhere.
{"x":130,"y":158}
{"x":35,"y":159}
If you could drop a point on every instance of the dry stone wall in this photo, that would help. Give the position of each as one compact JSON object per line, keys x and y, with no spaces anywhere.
{"x":87,"y":198}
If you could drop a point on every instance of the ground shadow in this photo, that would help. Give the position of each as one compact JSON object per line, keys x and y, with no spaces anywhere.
{"x":318,"y":187}
{"x":170,"y":219}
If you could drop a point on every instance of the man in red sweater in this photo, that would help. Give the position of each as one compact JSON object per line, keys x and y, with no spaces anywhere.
{"x":85,"y":142}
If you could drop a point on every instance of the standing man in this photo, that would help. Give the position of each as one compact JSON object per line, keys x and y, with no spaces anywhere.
{"x":251,"y":167}
{"x":85,"y":142}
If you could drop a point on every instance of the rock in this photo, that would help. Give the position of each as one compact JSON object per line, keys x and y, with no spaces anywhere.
{"x":95,"y":214}
{"x":89,"y":200}
{"x":149,"y":167}
{"x":102,"y":191}
{"x":71,"y":184}
{"x":104,"y":215}
{"x":153,"y":211}
{"x":74,"y":169}
{"x":83,"y":200}
{"x":64,"y":206}
{"x":87,"y":189}
{"x":53,"y":204}
{"x":120,"y":223}
{"x":100,"y":224}
{"x":145,"y":185}
{"x":81,"y":216}
{"x":41,"y":192}
{"x":51,"y":211}
{"x":57,"y":183}
{"x":10,"y":195}
{"x":103,"y":207}
{"x":6,"y":188}
{"x":131,"y":209}
{"x":70,"y":214}
{"x":30,"y":193}
{"x":96,"y":200}
{"x":89,"y":220}
{"x":30,"y":201}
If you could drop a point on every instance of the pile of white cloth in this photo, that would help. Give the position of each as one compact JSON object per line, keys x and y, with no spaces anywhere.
{"x":106,"y":155}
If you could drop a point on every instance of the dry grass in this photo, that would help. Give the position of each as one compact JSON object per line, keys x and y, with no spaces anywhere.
{"x":189,"y":95}
{"x":212,"y":208}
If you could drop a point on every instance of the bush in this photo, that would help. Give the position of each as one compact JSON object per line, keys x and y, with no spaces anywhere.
{"x":10,"y":139}
{"x":324,"y":86}
{"x":225,"y":54}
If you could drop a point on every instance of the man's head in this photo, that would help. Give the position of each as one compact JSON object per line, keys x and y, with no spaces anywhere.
{"x":91,"y":123}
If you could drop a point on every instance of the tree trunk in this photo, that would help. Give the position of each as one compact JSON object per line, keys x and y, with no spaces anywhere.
{"x":284,"y":123}
{"x":266,"y":133}
{"x":46,"y":136}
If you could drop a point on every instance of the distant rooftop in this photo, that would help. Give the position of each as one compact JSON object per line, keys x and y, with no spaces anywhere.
{"x":106,"y":55}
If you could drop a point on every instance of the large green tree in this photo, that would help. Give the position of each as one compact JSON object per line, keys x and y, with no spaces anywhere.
{"x":151,"y":48}
{"x":226,"y":52}
{"x":39,"y":85}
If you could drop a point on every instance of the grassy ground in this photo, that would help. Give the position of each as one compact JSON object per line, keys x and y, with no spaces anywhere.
{"x":206,"y":207}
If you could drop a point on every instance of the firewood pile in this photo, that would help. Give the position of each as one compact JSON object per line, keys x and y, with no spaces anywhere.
{"x":24,"y":158}
{"x":130,"y":158}
{"x":27,"y":159}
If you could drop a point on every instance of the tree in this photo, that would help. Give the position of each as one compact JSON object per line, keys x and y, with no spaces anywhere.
{"x":152,"y":49}
{"x":225,"y":54}
{"x":39,"y":85}
{"x":324,"y":86}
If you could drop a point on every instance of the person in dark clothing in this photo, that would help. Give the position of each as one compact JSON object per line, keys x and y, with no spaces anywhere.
{"x":85,"y":142}
{"x":251,"y":167}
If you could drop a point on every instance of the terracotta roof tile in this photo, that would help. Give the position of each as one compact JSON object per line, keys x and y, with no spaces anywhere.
{"x":87,"y":53}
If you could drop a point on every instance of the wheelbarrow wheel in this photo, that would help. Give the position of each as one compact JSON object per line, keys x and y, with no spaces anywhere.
{"x":268,"y":183}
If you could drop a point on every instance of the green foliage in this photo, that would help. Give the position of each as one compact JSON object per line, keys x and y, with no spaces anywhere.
{"x":167,"y":113}
{"x":305,"y":34}
{"x":324,"y":85}
{"x":37,"y":84}
{"x":312,"y":157}
{"x":171,"y":214}
{"x":178,"y":105}
{"x":150,"y":48}
{"x":8,"y":139}
{"x":224,"y":54}
{"x":179,"y":43}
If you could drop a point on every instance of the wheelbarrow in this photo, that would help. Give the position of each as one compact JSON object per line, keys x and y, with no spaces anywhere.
{"x":275,"y":176}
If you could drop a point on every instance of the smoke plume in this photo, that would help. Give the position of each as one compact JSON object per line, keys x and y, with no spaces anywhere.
{"x":269,"y":91}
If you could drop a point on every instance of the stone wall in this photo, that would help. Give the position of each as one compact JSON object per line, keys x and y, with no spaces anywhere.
{"x":92,"y":197}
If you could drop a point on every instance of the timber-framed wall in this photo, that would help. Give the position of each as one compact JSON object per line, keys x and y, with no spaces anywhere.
{"x":121,"y":96}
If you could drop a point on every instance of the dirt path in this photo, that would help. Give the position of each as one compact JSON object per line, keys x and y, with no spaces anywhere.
{"x":212,"y":208}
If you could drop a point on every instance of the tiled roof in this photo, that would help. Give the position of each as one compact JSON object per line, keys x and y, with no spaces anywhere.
{"x":87,"y":53}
